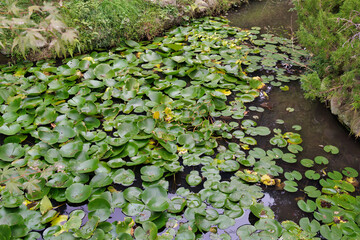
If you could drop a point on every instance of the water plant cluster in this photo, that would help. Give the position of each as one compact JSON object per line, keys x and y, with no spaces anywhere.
{"x":112,"y":130}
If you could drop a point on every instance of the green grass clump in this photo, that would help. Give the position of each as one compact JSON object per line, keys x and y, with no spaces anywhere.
{"x":105,"y":23}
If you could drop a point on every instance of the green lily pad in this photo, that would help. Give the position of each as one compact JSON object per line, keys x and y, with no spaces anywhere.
{"x":155,"y":198}
{"x":311,"y":174}
{"x":331,"y":149}
{"x":321,"y":160}
{"x":151,"y":173}
{"x":125,"y":177}
{"x":307,"y":162}
{"x":11,"y":151}
{"x":350,"y":172}
{"x":78,"y":193}
{"x":308,"y":206}
{"x":104,"y":71}
{"x":193,"y":179}
{"x":290,"y":186}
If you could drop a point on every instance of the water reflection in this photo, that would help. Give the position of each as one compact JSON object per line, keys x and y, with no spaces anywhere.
{"x":273,"y":16}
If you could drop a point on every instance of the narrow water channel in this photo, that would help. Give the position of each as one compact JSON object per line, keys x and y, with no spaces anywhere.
{"x":319,"y":126}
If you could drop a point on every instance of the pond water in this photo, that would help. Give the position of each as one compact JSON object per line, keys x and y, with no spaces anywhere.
{"x":319,"y":126}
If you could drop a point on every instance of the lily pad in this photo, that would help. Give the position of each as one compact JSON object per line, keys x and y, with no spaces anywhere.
{"x":78,"y":193}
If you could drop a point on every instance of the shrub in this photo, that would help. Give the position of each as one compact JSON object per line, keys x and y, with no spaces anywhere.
{"x":331,"y":29}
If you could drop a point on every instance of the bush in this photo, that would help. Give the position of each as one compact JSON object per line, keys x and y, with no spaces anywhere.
{"x":330,"y":30}
{"x":27,"y":28}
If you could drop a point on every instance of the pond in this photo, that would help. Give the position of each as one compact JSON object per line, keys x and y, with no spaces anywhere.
{"x":176,"y":138}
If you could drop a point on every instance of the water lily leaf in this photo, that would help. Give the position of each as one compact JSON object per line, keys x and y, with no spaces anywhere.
{"x":99,"y":207}
{"x":311,"y":174}
{"x":247,"y":232}
{"x":100,"y":180}
{"x":104,"y":71}
{"x":270,"y":228}
{"x":278,"y":141}
{"x":334,"y":233}
{"x":321,"y":160}
{"x":133,"y":209}
{"x":331,"y":149}
{"x":124,"y":177}
{"x":238,"y":134}
{"x":78,"y":193}
{"x":70,"y":149}
{"x":224,"y":222}
{"x":335,"y":175}
{"x":155,"y":197}
{"x":289,"y":158}
{"x":193,"y":179}
{"x":350,"y":172}
{"x":293,"y":175}
{"x":147,"y":125}
{"x":151,"y":173}
{"x":295,"y":148}
{"x":148,"y":231}
{"x":290,"y":186}
{"x":11,"y":151}
{"x":296,"y":127}
{"x":307,"y":162}
{"x":248,"y":140}
{"x":186,"y":140}
{"x":50,"y":137}
{"x":229,"y":166}
{"x":10,"y":129}
{"x":176,"y":205}
{"x":6,"y":232}
{"x":261,"y":211}
{"x":308,"y":206}
{"x":313,"y":226}
{"x":128,"y":129}
{"x":47,"y":116}
{"x":312,"y":191}
{"x":132,"y":43}
{"x":88,"y":229}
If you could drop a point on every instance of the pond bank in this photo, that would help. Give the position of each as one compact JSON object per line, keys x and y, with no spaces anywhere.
{"x":99,"y":25}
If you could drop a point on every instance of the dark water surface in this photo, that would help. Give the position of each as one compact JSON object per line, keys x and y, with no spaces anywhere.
{"x":274,"y":16}
{"x":319,"y":126}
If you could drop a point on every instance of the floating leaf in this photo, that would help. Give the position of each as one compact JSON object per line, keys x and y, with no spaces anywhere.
{"x":78,"y":193}
{"x":193,"y":179}
{"x":308,"y":206}
{"x":11,"y":151}
{"x":332,"y":149}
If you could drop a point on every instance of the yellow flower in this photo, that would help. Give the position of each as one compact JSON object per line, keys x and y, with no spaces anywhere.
{"x":267,"y":180}
{"x":181,"y":150}
{"x":227,"y":92}
{"x":89,"y":59}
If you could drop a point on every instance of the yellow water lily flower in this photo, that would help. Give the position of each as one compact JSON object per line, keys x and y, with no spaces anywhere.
{"x":267,"y":180}
{"x":90,"y":59}
{"x":227,"y":92}
{"x":181,"y":150}
{"x":156,"y":115}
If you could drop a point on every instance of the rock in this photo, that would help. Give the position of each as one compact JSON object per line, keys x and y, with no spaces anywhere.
{"x":201,"y":5}
{"x":346,"y":114}
{"x":212,"y":3}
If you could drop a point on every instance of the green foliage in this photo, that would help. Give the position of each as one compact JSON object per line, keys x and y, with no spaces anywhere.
{"x":330,"y":29}
{"x":26,"y":28}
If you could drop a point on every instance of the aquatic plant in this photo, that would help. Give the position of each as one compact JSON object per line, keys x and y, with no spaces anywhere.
{"x":112,"y":130}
